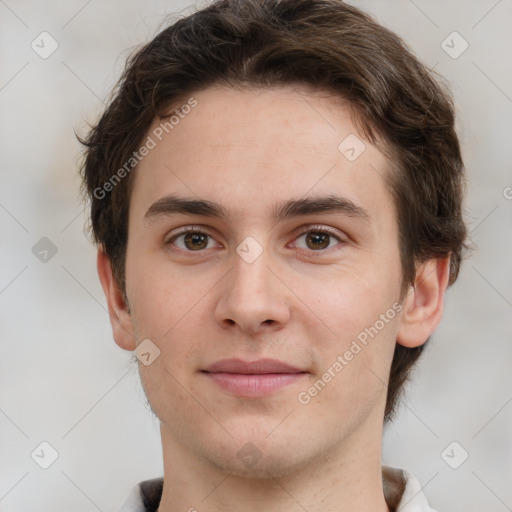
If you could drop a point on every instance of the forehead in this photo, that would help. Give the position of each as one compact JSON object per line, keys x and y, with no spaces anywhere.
{"x":251,"y":149}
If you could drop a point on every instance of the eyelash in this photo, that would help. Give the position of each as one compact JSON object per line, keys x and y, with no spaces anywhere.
{"x":324,"y":230}
{"x":310,"y":229}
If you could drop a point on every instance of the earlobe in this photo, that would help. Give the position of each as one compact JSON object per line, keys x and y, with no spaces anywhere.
{"x":423,"y":305}
{"x":118,"y":309}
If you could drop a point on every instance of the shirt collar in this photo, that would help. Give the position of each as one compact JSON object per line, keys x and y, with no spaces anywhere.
{"x":402,"y":491}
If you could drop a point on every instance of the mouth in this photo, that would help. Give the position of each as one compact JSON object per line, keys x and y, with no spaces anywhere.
{"x":254,"y":378}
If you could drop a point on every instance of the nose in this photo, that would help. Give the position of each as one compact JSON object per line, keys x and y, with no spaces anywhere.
{"x":252,"y":297}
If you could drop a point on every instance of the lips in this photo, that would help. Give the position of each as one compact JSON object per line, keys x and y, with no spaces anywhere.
{"x":259,"y":367}
{"x":253,"y":378}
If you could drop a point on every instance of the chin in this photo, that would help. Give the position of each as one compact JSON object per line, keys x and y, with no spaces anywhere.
{"x":253,"y":453}
{"x":251,"y":463}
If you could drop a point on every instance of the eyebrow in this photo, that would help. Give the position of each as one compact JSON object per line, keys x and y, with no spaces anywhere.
{"x":173,"y":204}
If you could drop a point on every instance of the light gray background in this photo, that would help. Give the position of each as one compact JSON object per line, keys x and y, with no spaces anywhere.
{"x":62,"y":378}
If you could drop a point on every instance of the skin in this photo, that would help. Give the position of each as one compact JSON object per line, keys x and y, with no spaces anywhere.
{"x":249,"y":151}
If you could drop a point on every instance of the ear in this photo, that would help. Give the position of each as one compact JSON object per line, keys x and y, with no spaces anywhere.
{"x":118,"y":310}
{"x":423,"y":305}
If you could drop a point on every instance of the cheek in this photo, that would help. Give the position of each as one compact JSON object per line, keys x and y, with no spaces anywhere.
{"x":354,"y":357}
{"x":161,"y":298}
{"x":172,"y":309}
{"x":349,"y":299}
{"x":358,"y":312}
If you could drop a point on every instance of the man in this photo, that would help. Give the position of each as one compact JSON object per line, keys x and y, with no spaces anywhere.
{"x":276,"y":194}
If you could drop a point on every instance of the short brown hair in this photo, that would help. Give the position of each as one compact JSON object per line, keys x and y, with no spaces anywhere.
{"x":325,"y":44}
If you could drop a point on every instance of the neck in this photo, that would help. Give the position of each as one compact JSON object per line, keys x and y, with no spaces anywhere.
{"x":347,"y":478}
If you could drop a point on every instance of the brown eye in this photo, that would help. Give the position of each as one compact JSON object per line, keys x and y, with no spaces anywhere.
{"x":317,"y":240}
{"x":195,"y":241}
{"x":192,"y":240}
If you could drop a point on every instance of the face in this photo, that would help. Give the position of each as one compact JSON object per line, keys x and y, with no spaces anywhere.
{"x":254,"y":234}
